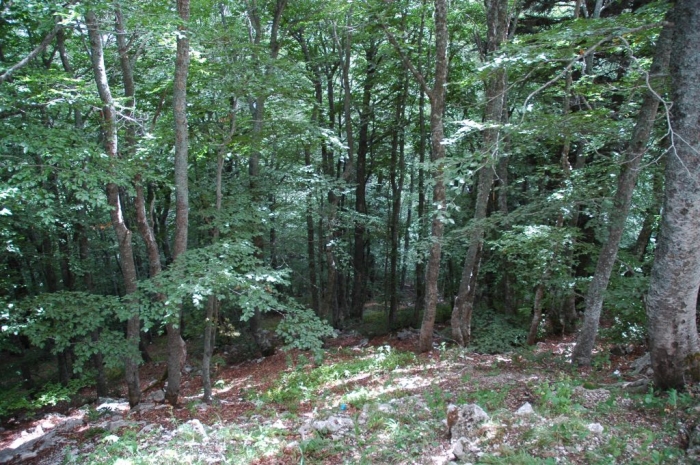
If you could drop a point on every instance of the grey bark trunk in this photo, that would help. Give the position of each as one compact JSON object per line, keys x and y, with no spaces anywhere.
{"x":675,"y":275}
{"x":437,"y":107}
{"x":122,"y":232}
{"x":627,"y":180}
{"x":177,"y":351}
{"x":497,"y":19}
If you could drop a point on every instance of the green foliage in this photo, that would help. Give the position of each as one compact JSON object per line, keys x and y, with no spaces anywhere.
{"x":494,"y":333}
{"x":68,"y":320}
{"x":302,"y":329}
{"x":556,"y":397}
{"x":16,"y":399}
{"x":232,"y":272}
{"x":625,"y":306}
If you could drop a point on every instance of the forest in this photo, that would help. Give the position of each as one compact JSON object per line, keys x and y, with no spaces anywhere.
{"x":206,"y":183}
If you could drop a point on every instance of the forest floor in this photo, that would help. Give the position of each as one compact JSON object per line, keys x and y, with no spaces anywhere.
{"x":376,"y":401}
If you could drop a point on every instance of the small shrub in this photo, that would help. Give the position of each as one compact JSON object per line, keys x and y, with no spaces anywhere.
{"x":494,"y":333}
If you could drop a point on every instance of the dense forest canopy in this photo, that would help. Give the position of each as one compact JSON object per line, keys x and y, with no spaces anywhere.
{"x":196,"y":168}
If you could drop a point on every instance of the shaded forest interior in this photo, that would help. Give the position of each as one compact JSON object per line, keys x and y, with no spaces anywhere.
{"x":269,"y":173}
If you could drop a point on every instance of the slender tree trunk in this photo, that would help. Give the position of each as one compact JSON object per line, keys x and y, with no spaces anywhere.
{"x":497,"y":22}
{"x":315,"y":119}
{"x":177,"y":351}
{"x":128,"y":268}
{"x":626,"y":182}
{"x":397,"y":179}
{"x":212,"y":308}
{"x":437,"y":107}
{"x":145,"y":230}
{"x":639,"y":249}
{"x":359,"y":292}
{"x":675,"y":275}
{"x":422,"y":223}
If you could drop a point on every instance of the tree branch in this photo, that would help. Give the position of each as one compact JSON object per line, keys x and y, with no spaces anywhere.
{"x":589,"y":51}
{"x":407,"y":61}
{"x":34,"y":53}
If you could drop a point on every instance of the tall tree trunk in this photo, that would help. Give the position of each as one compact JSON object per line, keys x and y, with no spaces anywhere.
{"x":212,"y":308}
{"x":258,"y":113}
{"x":497,"y":22}
{"x":675,"y":275}
{"x":397,"y":179}
{"x":437,"y":107}
{"x":144,"y":228}
{"x":420,"y":211}
{"x":626,"y":182}
{"x":177,"y":351}
{"x":316,"y":113}
{"x":128,"y":268}
{"x":359,"y":260}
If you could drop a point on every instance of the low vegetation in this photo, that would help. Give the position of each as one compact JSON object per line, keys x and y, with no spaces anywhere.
{"x":389,"y":404}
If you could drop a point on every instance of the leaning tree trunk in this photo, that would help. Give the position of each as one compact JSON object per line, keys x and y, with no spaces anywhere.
{"x":109,"y":128}
{"x":675,"y":275}
{"x":497,"y":19}
{"x":626,"y":182}
{"x":177,"y":351}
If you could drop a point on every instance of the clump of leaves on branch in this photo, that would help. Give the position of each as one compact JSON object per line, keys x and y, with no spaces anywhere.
{"x":233,"y":273}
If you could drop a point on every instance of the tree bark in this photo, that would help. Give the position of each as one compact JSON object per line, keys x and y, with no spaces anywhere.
{"x":177,"y":351}
{"x":626,"y":183}
{"x":675,"y":275}
{"x":437,"y":107}
{"x":497,"y":22}
{"x":359,"y":289}
{"x":109,"y":129}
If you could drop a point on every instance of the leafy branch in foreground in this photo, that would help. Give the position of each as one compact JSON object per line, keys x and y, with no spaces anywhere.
{"x":231,"y":272}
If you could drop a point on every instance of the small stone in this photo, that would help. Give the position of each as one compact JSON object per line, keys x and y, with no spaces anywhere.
{"x":148,"y":428}
{"x":595,"y":428}
{"x":157,"y":396}
{"x":292,"y":446}
{"x":525,"y":409}
{"x":458,"y":449}
{"x":117,"y":424}
{"x":27,"y":456}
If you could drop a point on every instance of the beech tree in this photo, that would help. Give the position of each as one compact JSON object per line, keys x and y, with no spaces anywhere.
{"x":675,"y":276}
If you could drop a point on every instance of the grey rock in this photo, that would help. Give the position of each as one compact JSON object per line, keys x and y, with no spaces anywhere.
{"x":463,"y":420}
{"x":116,"y":424}
{"x":458,"y":449}
{"x":335,"y":425}
{"x":157,"y":396}
{"x":196,"y":426}
{"x":27,"y":456}
{"x":525,"y":409}
{"x":144,"y":407}
{"x":595,"y":428}
{"x":641,"y":364}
